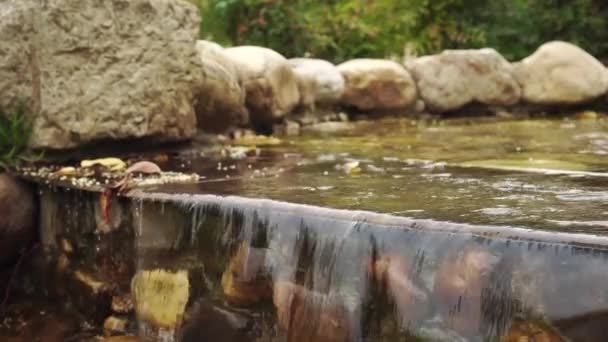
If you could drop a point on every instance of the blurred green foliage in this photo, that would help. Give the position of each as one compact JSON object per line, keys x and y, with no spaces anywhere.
{"x":343,"y":29}
{"x":15,"y":132}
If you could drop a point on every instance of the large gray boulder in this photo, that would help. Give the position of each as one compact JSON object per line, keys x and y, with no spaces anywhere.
{"x":17,"y":217}
{"x":561,"y":73}
{"x":454,"y":78}
{"x":377,"y":84}
{"x":327,"y":81}
{"x":270,"y":84}
{"x":97,"y":70}
{"x":221,"y":100}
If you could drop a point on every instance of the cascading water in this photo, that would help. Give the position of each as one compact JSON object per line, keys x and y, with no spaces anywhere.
{"x":304,"y":273}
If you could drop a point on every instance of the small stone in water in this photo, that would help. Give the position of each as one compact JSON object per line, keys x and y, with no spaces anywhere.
{"x":350,"y":167}
{"x":532,"y":331}
{"x":113,"y":325}
{"x":67,"y":171}
{"x":122,"y":304}
{"x":587,"y":115}
{"x":374,"y":168}
{"x":66,"y":246}
{"x":114,"y":164}
{"x":144,"y":167}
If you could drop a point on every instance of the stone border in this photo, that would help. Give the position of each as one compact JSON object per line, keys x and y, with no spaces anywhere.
{"x":558,"y":75}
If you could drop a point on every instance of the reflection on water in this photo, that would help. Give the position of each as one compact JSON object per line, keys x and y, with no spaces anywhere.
{"x":532,"y":173}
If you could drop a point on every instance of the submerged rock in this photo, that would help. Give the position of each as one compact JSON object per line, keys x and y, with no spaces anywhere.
{"x":532,"y":331}
{"x":101,"y":70}
{"x":454,"y":78}
{"x":461,"y":278}
{"x":160,"y":297}
{"x":306,"y":315}
{"x":329,"y":127}
{"x":376,"y":84}
{"x":115,"y":325}
{"x":206,"y":321}
{"x":328,"y":81}
{"x":17,"y":217}
{"x":221,"y":100}
{"x":122,"y":304}
{"x":561,"y":73}
{"x":393,"y":276}
{"x":588,"y":327}
{"x":245,"y":281}
{"x":271,"y":86}
{"x":91,"y":294}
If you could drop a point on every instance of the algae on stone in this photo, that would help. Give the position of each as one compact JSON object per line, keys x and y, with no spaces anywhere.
{"x":161,"y":297}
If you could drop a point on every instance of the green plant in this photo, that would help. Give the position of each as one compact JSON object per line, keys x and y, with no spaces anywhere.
{"x":15,"y":132}
{"x":339,"y":30}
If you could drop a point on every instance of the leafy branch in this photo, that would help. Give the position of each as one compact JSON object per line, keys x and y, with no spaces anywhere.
{"x":15,"y":133}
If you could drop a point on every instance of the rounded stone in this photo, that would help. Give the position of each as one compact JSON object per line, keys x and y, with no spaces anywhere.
{"x":561,"y":73}
{"x":270,"y":85}
{"x":455,"y":78}
{"x":328,"y":85}
{"x":377,"y":84}
{"x":17,"y":217}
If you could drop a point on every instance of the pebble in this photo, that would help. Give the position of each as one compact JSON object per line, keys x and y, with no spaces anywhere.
{"x":115,"y":325}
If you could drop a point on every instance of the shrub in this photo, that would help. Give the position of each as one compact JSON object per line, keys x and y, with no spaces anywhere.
{"x":338,"y":30}
{"x":15,"y":132}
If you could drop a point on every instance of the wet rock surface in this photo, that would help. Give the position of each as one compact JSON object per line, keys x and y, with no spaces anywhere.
{"x":208,"y":322}
{"x":114,"y":325}
{"x":245,"y":281}
{"x":97,"y":71}
{"x":532,"y":332}
{"x":161,"y":297}
{"x":51,"y":327}
{"x":17,"y":218}
{"x":221,"y":101}
{"x":393,"y":276}
{"x":305,"y":315}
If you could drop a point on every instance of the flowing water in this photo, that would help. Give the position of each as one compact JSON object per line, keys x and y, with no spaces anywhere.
{"x":399,"y":230}
{"x":542,"y":174}
{"x":332,"y":275}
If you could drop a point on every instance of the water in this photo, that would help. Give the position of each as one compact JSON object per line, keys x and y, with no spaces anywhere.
{"x":444,"y":231}
{"x":541,"y":174}
{"x":327,"y":275}
{"x":500,"y":270}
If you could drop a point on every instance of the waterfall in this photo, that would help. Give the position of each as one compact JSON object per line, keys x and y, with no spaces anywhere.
{"x":321,"y":274}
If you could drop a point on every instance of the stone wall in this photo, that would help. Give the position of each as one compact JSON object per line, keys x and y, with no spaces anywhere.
{"x":557,"y":74}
